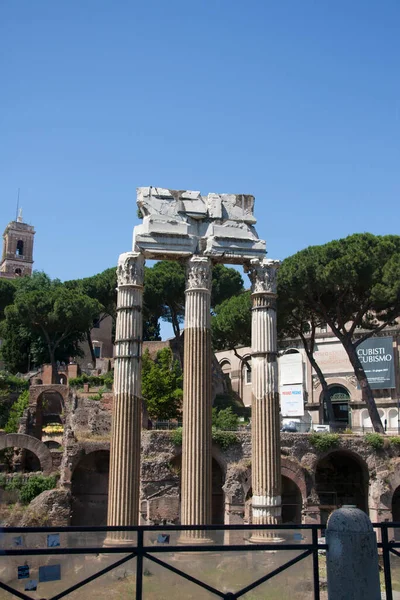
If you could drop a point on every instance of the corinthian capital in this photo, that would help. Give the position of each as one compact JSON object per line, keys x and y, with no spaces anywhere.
{"x":263,"y":275}
{"x":198,"y":274}
{"x":130,"y":270}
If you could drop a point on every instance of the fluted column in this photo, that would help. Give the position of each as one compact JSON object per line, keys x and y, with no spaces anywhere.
{"x":196,"y":488}
{"x":265,"y":420}
{"x":123,"y":492}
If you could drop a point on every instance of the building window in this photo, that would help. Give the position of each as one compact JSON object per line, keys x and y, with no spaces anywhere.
{"x":97,"y":351}
{"x":96,"y":323}
{"x":18,"y":272}
{"x":20,"y":248}
{"x":248,"y":374}
{"x":323,"y":328}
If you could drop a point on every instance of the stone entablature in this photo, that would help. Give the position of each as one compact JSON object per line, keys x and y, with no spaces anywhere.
{"x":180,"y":223}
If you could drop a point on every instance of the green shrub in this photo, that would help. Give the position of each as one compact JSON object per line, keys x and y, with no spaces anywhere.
{"x":16,"y":412}
{"x":375,"y":440}
{"x":12,"y":383}
{"x":99,"y":395}
{"x":176,"y":436}
{"x":395,"y":440}
{"x":16,"y":483}
{"x":224,"y":419}
{"x":224,"y":439}
{"x":324,"y":441}
{"x":93,"y":380}
{"x":36,"y":485}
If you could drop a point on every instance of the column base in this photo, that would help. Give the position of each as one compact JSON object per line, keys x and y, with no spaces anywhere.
{"x":112,"y":541}
{"x":194,"y":538}
{"x":261,"y":537}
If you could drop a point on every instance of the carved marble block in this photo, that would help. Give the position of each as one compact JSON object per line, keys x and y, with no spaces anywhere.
{"x":181,"y":223}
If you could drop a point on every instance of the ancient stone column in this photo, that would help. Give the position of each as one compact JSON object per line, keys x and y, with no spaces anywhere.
{"x":196,"y":490}
{"x":123,"y":494}
{"x":265,"y":420}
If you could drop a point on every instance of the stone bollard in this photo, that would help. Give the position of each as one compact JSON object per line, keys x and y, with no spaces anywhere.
{"x":352,"y":556}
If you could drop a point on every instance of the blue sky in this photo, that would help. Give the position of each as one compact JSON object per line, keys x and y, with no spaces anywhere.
{"x":296,"y":102}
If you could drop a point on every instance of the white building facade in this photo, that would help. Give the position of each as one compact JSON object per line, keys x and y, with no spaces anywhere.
{"x":300,"y":389}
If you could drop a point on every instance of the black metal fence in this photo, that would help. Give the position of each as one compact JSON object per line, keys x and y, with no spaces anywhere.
{"x":242,"y":559}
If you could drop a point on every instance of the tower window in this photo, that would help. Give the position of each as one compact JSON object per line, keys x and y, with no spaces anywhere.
{"x":18,"y":272}
{"x":20,"y":248}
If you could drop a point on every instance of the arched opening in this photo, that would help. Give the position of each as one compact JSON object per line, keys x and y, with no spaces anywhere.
{"x":396,"y":512}
{"x":340,"y":398}
{"x":226,"y":369}
{"x":218,"y":500}
{"x":292,"y":351}
{"x":291,"y":501}
{"x":396,"y":505}
{"x":20,"y":248}
{"x":63,"y":379}
{"x":218,"y":496}
{"x":18,"y":272}
{"x":341,"y":479}
{"x":49,"y":414}
{"x":393,"y":423}
{"x":52,"y":445}
{"x":89,"y":488}
{"x":19,"y":460}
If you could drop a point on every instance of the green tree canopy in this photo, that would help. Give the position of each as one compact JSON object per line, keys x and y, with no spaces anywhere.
{"x":103,"y":288}
{"x":164,"y":290}
{"x":7,"y":292}
{"x":231,"y":323}
{"x":162,"y":385}
{"x":226,"y":282}
{"x":349,"y":284}
{"x":53,"y":315}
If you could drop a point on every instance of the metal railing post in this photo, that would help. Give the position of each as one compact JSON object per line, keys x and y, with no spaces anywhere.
{"x":386,"y":562}
{"x":139,"y":565}
{"x":315,"y":564}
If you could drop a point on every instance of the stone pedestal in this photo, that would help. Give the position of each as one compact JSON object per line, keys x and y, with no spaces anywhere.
{"x":265,"y":420}
{"x":123,"y":494}
{"x":196,"y":490}
{"x":352,"y":557}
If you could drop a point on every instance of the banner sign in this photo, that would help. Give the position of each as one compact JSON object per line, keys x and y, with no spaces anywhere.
{"x":292,"y":401}
{"x":376,"y":356}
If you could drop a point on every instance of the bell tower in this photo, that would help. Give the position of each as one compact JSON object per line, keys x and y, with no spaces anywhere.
{"x":17,"y":256}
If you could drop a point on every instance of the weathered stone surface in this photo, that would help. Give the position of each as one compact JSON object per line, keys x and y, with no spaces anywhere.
{"x":352,"y":556}
{"x":52,"y":507}
{"x":180,"y":223}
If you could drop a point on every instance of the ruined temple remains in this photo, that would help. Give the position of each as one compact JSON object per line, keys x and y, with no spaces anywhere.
{"x":200,"y":231}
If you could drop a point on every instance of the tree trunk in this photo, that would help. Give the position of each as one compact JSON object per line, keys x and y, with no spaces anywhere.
{"x":92,"y":354}
{"x":175,"y":324}
{"x":54,"y":370}
{"x":325,"y":389}
{"x":367,"y":395}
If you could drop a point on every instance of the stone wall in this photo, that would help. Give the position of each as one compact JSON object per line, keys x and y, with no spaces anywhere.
{"x":371,"y":475}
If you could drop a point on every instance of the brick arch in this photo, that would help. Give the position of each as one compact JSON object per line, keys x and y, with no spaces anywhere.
{"x":35,"y":391}
{"x":385,"y":499}
{"x":296,"y":474}
{"x":27,"y":442}
{"x":82,"y":453}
